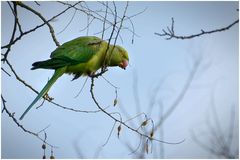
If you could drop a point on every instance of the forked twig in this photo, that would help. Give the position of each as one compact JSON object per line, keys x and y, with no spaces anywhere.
{"x":170,"y":33}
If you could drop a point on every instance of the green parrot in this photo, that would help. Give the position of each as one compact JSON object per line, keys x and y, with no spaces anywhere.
{"x":82,"y":56}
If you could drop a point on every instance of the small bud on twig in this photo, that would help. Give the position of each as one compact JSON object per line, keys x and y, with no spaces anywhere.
{"x":52,"y":157}
{"x":144,"y":123}
{"x":146,"y":146}
{"x":44,"y":146}
{"x":115,"y":102}
{"x":151,"y":134}
{"x":119,"y":129}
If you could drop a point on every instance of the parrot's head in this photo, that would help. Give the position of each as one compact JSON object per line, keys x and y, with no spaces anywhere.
{"x":119,"y":57}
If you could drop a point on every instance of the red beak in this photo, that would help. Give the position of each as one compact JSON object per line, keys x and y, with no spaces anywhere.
{"x":123,"y":64}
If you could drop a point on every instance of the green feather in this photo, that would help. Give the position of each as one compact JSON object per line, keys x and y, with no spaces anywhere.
{"x":81,"y":56}
{"x":58,"y":73}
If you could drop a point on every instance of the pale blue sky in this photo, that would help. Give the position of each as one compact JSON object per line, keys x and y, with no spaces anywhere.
{"x":152,"y":58}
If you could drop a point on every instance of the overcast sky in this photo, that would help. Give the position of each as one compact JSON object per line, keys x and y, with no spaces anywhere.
{"x":153,"y":60}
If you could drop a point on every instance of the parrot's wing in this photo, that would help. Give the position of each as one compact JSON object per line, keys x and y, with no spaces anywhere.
{"x":79,"y":50}
{"x":55,"y":63}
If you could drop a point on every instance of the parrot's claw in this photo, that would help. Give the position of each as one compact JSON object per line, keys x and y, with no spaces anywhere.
{"x":91,"y":74}
{"x":76,"y":76}
{"x":47,"y":97}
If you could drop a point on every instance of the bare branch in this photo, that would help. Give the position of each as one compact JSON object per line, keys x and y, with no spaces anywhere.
{"x":19,"y":79}
{"x":169,"y":34}
{"x":43,"y":19}
{"x":11,"y":115}
{"x":5,"y":72}
{"x":124,"y":124}
{"x":105,"y":18}
{"x":14,"y":12}
{"x":37,"y":27}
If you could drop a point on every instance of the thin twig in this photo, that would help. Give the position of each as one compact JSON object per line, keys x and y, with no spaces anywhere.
{"x":124,"y":124}
{"x":37,"y":27}
{"x":44,"y":129}
{"x":11,"y":115}
{"x":109,"y":134}
{"x":139,"y":144}
{"x":68,"y":23}
{"x":37,"y":3}
{"x":18,"y":78}
{"x":82,"y":88}
{"x":44,"y":20}
{"x":5,"y":72}
{"x":88,"y":24}
{"x":110,"y":82}
{"x":13,"y":32}
{"x":120,"y":26}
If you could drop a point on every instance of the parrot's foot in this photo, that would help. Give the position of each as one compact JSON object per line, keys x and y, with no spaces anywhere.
{"x":92,"y":74}
{"x":76,"y":76}
{"x":96,"y":75}
{"x":47,"y":97}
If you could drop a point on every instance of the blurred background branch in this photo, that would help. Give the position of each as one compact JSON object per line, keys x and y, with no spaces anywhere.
{"x":220,"y":143}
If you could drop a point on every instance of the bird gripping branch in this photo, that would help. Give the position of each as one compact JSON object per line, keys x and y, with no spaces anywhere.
{"x":82,"y":56}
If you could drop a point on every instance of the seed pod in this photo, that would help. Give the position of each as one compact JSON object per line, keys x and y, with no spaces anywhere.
{"x":115,"y":102}
{"x":146,"y":147}
{"x":119,"y":129}
{"x":44,"y":146}
{"x":18,"y":2}
{"x":152,"y":133}
{"x":144,"y":123}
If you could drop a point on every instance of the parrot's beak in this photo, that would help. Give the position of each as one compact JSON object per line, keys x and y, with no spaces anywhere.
{"x":123,"y":64}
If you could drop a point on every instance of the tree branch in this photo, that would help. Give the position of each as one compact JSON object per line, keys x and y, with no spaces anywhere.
{"x":11,"y":115}
{"x":121,"y":122}
{"x":169,"y":34}
{"x":37,"y":27}
{"x":43,"y":19}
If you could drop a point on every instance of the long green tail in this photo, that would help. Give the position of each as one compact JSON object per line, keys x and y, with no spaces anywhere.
{"x":58,"y":73}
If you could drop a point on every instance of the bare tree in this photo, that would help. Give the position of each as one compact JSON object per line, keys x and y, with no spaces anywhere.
{"x":222,"y":147}
{"x":147,"y":129}
{"x":112,"y":22}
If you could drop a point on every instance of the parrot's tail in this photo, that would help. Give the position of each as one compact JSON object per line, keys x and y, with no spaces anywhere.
{"x":58,"y":73}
